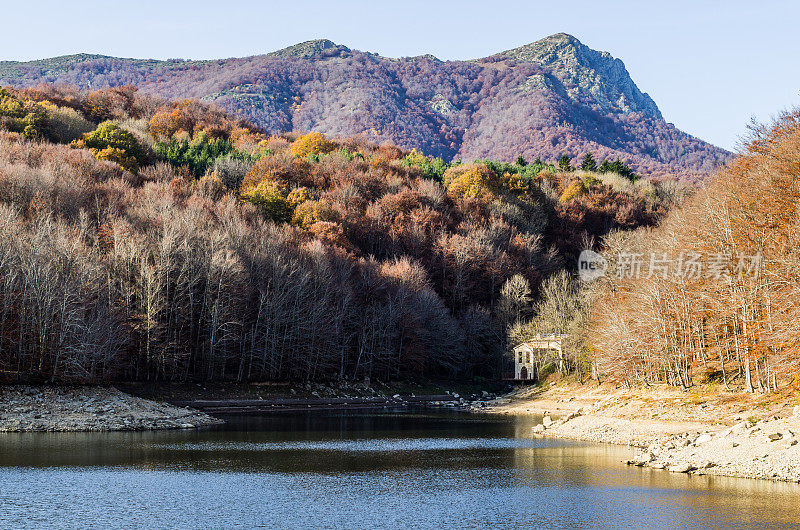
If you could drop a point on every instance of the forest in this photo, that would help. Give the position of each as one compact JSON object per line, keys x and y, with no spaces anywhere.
{"x":732,"y":324}
{"x":153,"y":240}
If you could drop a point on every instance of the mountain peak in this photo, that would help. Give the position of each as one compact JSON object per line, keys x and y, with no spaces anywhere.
{"x":561,"y":37}
{"x":312,"y":48}
{"x":590,"y":77}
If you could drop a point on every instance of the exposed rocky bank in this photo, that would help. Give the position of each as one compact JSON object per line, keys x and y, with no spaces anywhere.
{"x":674,"y":431}
{"x":43,"y":409}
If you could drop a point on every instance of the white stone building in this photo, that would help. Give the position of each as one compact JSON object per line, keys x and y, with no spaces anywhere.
{"x":529,"y":355}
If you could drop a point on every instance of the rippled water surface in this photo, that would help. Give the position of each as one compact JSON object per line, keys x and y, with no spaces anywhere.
{"x":362,"y":470}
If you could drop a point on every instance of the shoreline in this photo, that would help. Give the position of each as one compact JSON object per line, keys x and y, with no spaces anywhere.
{"x":715,"y":435}
{"x":27,"y":408}
{"x":64,"y":408}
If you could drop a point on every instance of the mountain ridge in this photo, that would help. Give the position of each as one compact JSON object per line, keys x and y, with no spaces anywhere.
{"x":552,"y":96}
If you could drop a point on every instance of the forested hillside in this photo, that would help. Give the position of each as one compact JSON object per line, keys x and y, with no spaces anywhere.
{"x":551,"y":97}
{"x":722,"y":307}
{"x":153,"y":240}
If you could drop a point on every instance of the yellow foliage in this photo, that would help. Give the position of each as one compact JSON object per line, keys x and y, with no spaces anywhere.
{"x":298,"y":196}
{"x":575,"y":189}
{"x":269,"y":198}
{"x":514,"y":184}
{"x":311,"y":212}
{"x":471,"y":181}
{"x":313,"y":143}
{"x":415,"y":158}
{"x":120,"y":156}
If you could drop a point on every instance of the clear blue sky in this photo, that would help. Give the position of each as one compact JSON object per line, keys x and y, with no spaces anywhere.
{"x":710,"y":66}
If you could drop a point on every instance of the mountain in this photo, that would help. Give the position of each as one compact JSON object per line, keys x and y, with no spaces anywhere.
{"x":543,"y":99}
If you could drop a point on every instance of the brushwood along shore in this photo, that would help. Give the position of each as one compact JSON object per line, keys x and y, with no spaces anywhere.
{"x":696,"y":437}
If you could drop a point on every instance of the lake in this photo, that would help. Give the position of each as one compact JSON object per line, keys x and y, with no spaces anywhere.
{"x":362,"y":470}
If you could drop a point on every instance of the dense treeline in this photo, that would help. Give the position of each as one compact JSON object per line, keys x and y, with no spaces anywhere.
{"x":150,"y":240}
{"x":730,"y":316}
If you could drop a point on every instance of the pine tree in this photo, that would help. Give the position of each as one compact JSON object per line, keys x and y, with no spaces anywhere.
{"x":565,"y":163}
{"x":588,"y":163}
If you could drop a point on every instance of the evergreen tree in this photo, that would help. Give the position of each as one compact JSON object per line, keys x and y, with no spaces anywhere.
{"x":565,"y":163}
{"x":588,"y":163}
{"x":618,"y":166}
{"x":521,"y":161}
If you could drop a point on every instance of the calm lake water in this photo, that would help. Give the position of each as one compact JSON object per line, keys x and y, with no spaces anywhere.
{"x":362,"y":470}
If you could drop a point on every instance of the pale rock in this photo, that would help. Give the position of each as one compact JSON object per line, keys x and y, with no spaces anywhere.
{"x":703,"y":438}
{"x":682,"y":467}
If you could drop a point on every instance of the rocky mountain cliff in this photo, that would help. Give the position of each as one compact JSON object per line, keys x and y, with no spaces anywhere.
{"x":543,"y":99}
{"x":589,"y":77}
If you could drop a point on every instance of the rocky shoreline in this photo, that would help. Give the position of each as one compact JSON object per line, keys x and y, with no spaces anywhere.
{"x":70,"y":409}
{"x":762,"y":448}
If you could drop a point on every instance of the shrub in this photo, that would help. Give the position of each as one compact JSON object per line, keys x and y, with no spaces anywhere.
{"x":199,"y":154}
{"x":268,"y":197}
{"x":114,"y":143}
{"x":117,"y":155}
{"x":65,"y":125}
{"x":231,"y":170}
{"x":313,"y":211}
{"x":432,"y":169}
{"x":168,"y":121}
{"x":471,"y":181}
{"x":575,"y":189}
{"x":313,"y":143}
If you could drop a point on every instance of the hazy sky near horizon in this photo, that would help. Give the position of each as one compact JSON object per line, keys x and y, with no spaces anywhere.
{"x":710,"y":66}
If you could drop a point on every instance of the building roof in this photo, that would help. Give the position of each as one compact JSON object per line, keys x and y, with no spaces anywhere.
{"x":542,"y":337}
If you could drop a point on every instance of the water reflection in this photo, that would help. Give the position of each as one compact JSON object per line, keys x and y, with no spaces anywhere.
{"x":362,"y":470}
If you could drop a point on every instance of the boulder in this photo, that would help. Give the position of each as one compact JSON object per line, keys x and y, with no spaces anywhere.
{"x":796,"y":411}
{"x":774,"y":437}
{"x":547,"y":421}
{"x":703,"y":438}
{"x":539,"y":428}
{"x":682,"y":467}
